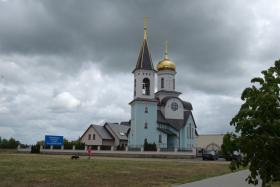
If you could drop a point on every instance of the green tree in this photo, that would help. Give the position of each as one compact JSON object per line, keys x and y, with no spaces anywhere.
{"x":258,"y":126}
{"x":8,"y":144}
{"x":229,"y":145}
{"x":12,"y":143}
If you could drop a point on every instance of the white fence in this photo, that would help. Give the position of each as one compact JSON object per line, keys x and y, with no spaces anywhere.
{"x":112,"y":152}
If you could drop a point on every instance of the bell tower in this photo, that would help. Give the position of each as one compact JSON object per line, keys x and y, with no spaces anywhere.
{"x":144,"y":72}
{"x":144,"y":104}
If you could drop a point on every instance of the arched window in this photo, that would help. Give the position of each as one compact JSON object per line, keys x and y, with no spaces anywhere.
{"x":146,"y":125}
{"x":159,"y":139}
{"x":173,"y":84}
{"x":146,"y":109}
{"x":146,"y":86}
{"x":162,"y":82}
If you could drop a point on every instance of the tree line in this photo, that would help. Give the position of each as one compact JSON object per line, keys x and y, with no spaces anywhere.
{"x":9,"y":143}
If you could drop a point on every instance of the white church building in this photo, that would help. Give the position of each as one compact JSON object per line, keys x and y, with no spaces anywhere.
{"x":160,"y":117}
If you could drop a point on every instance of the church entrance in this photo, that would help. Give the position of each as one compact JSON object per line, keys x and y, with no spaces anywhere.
{"x":171,"y":142}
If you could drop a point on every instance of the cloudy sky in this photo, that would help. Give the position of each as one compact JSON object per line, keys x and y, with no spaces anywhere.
{"x":66,"y":64}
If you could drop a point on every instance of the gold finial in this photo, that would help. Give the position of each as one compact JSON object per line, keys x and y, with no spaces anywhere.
{"x":165,"y":51}
{"x":145,"y":27}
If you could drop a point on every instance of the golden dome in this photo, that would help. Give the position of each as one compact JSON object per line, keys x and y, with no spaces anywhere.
{"x":166,"y":64}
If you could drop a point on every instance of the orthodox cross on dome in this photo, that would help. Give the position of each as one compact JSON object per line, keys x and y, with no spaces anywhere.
{"x":165,"y":51}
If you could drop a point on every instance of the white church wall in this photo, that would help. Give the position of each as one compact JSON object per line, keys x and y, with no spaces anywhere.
{"x":170,"y":114}
{"x":168,"y":77}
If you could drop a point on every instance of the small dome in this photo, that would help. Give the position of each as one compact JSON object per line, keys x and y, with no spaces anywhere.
{"x":166,"y":64}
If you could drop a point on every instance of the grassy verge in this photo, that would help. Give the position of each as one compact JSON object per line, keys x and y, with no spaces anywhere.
{"x":6,"y":151}
{"x":50,"y":170}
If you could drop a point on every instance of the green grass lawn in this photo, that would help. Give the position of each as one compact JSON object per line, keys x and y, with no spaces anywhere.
{"x":50,"y":170}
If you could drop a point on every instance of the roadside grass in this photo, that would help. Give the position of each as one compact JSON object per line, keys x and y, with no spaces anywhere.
{"x":5,"y":151}
{"x":58,"y":170}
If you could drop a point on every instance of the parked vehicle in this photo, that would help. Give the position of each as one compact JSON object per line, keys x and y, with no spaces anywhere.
{"x":210,"y":155}
{"x":234,"y":156}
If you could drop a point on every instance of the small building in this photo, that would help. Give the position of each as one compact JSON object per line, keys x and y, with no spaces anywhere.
{"x":210,"y":141}
{"x":97,"y":135}
{"x":110,"y":134}
{"x":119,"y":132}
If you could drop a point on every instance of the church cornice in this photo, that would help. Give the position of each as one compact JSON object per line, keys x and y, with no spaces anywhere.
{"x":144,"y":99}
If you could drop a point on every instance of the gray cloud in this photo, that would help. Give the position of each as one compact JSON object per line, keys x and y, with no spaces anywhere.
{"x":65,"y":64}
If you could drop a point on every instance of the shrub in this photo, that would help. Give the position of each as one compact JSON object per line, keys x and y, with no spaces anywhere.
{"x":149,"y":146}
{"x":35,"y":148}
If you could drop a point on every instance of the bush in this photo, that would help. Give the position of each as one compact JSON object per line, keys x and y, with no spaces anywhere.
{"x":35,"y":148}
{"x":79,"y":145}
{"x":149,"y":146}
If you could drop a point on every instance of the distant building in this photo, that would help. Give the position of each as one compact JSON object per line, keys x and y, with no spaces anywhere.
{"x":210,"y":141}
{"x":111,"y":134}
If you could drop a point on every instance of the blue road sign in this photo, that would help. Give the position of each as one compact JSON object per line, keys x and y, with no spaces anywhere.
{"x":53,"y":140}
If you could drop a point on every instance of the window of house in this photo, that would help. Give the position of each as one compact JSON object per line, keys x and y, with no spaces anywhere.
{"x":146,"y":109}
{"x":122,"y":133}
{"x":89,"y":136}
{"x":159,"y":138}
{"x":162,"y":82}
{"x":146,"y":125}
{"x":93,"y":136}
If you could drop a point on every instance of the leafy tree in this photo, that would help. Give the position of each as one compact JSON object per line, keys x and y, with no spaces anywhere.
{"x":229,"y":145}
{"x":12,"y":143}
{"x":8,"y":144}
{"x":258,"y":126}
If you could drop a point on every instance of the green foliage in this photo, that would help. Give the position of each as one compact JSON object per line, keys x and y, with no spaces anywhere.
{"x":35,"y":148}
{"x":149,"y":146}
{"x":8,"y":144}
{"x":258,"y":124}
{"x":79,"y":145}
{"x":229,"y":145}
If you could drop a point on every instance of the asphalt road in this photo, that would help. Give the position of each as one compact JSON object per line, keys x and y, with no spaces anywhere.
{"x":236,"y":179}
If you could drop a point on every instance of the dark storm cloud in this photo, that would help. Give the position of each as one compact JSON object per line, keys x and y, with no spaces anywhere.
{"x":203,"y":36}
